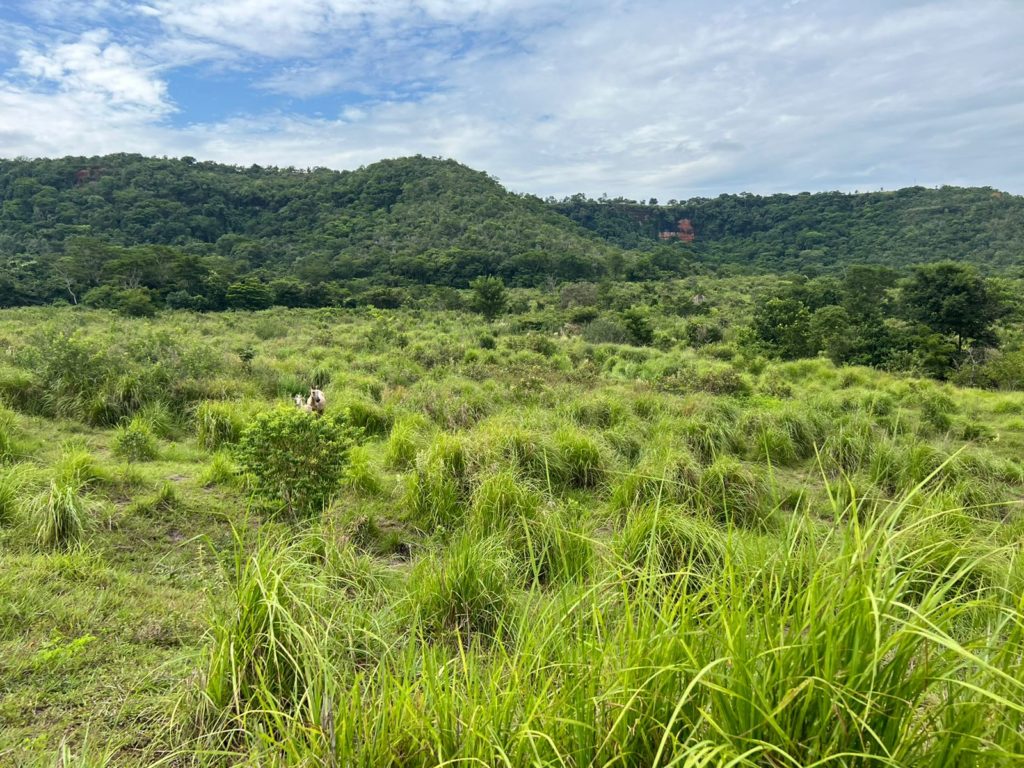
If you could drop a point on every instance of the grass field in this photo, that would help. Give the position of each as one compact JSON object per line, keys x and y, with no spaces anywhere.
{"x":538,"y":551}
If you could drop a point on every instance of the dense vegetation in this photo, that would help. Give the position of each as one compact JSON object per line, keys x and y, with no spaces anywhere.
{"x":124,"y":231}
{"x":822,"y":232}
{"x":206,"y":236}
{"x":578,"y":498}
{"x":520,"y":546}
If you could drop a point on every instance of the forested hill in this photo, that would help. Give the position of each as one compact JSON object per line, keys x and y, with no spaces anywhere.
{"x":124,"y":228}
{"x":825,"y":230}
{"x":413,"y":219}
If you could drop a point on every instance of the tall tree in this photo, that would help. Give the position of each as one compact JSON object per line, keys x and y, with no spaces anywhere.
{"x":951,"y":298}
{"x":490,"y":298}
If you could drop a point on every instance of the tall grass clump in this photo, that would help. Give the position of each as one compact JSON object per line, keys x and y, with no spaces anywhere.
{"x":561,"y":547}
{"x":783,"y":436}
{"x":135,"y":441}
{"x":11,"y":487}
{"x":267,"y":662}
{"x":359,"y":474}
{"x":161,"y":418}
{"x":503,"y":503}
{"x":221,"y":469}
{"x":219,"y":423}
{"x":670,"y":545}
{"x":464,"y":593}
{"x":581,"y":461}
{"x":437,"y":490}
{"x":735,"y":493}
{"x":666,"y":475}
{"x":597,"y":412}
{"x":403,"y":443}
{"x":710,"y":437}
{"x":60,"y":516}
{"x":373,"y":420}
{"x":9,"y":447}
{"x":78,"y":468}
{"x":533,"y":455}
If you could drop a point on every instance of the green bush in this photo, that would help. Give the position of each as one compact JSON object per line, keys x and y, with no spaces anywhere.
{"x":135,"y":441}
{"x":294,"y":458}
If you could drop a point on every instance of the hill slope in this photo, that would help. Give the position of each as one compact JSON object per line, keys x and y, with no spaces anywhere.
{"x":421,"y":219}
{"x":825,"y":230}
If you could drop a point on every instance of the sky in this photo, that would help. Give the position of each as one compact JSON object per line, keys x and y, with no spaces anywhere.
{"x":650,"y":98}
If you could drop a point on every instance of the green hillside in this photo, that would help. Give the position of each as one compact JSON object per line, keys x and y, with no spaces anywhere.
{"x":129,"y":231}
{"x":826,"y":230}
{"x":412,"y":219}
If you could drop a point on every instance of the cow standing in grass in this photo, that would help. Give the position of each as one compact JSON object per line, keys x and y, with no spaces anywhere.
{"x":316,"y":402}
{"x":301,"y":404}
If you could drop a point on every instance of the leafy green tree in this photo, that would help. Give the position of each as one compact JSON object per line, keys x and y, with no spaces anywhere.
{"x":295,"y":458}
{"x":952,"y":299}
{"x":864,"y":291}
{"x":490,"y":298}
{"x":249,"y":294}
{"x":136,"y":302}
{"x":638,"y":324}
{"x":784,"y":325}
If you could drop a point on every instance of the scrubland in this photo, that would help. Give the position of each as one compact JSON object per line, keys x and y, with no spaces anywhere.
{"x":527,"y":549}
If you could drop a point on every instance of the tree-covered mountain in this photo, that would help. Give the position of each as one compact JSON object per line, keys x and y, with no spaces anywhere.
{"x":74,"y":224}
{"x":823,"y":231}
{"x":133,"y":232}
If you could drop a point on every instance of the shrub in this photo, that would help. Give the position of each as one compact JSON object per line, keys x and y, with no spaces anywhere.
{"x":294,"y":458}
{"x":603,"y":331}
{"x":465,"y":592}
{"x":135,"y":441}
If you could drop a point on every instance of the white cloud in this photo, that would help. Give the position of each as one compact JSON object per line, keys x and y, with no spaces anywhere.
{"x":95,"y":67}
{"x":658,"y":98}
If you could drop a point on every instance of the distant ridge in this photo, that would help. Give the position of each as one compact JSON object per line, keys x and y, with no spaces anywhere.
{"x":824,"y":230}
